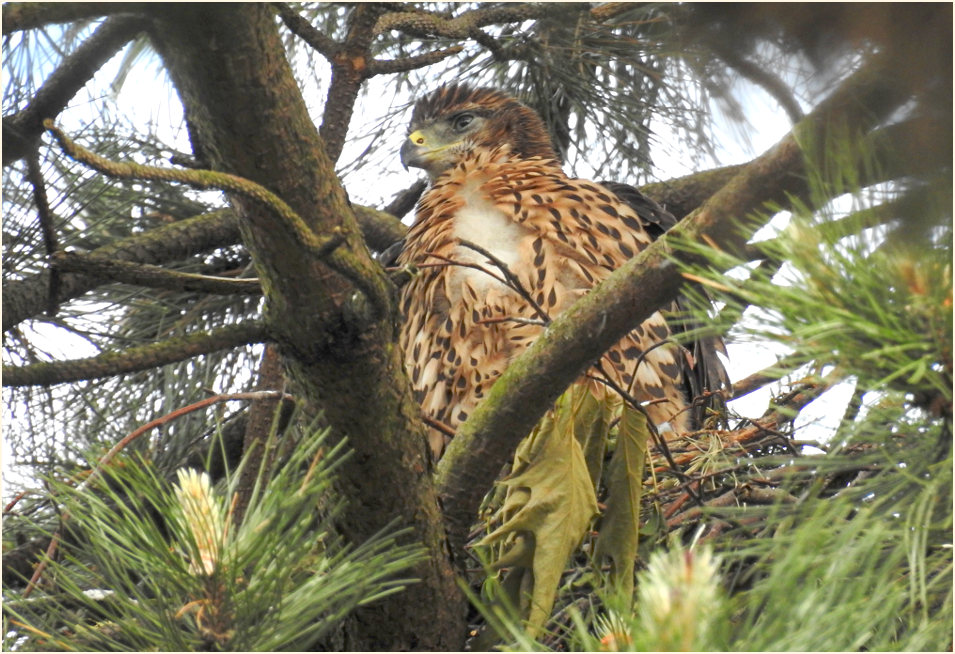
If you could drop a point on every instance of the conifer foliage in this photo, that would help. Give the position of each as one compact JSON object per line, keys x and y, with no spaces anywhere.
{"x":212,"y":440}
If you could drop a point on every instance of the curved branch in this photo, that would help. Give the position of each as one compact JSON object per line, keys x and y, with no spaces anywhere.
{"x":325,"y":248}
{"x":135,"y":359}
{"x":21,"y":130}
{"x":763,"y":78}
{"x":583,"y":332}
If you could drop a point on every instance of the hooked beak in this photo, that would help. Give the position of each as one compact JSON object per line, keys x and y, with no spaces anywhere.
{"x":413,"y":151}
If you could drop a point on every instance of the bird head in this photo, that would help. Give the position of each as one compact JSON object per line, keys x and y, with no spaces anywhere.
{"x":457,"y":120}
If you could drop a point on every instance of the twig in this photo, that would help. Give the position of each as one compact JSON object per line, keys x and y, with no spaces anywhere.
{"x":12,"y":503}
{"x":437,"y":424}
{"x":303,"y":29}
{"x":511,"y":279}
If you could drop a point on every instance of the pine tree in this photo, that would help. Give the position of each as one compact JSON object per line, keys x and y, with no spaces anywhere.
{"x":240,"y":465}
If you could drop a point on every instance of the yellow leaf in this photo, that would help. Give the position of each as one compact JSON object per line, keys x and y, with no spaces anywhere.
{"x":549,"y":505}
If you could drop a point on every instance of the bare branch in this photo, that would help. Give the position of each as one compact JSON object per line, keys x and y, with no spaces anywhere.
{"x":47,"y":222}
{"x":460,"y":27}
{"x":349,"y":69}
{"x":21,"y":130}
{"x":405,"y":200}
{"x":135,"y":359}
{"x":26,"y":298}
{"x":766,"y":79}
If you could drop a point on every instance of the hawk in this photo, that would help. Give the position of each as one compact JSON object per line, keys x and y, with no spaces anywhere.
{"x":497,"y":188}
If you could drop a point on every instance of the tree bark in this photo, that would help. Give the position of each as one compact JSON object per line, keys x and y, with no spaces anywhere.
{"x":248,"y":118}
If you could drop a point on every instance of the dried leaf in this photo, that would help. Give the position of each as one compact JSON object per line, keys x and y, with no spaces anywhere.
{"x":549,"y":505}
{"x":620,"y":526}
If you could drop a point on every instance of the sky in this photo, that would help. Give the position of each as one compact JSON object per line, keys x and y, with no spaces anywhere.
{"x":145,"y":99}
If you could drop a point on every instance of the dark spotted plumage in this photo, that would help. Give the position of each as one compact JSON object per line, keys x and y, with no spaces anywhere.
{"x":497,"y":184}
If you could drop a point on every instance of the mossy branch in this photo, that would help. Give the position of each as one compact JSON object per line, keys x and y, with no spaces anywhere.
{"x":135,"y":359}
{"x":325,"y":248}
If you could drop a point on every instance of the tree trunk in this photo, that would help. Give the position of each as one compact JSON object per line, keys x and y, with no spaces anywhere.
{"x":247,"y":117}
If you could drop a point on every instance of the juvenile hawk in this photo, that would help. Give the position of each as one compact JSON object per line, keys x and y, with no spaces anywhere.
{"x":497,"y":184}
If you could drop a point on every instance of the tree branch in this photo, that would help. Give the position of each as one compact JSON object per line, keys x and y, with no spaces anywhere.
{"x":765,"y":79}
{"x":20,"y":16}
{"x":142,"y":274}
{"x":349,"y":69}
{"x":22,"y":130}
{"x":391,"y":66}
{"x":47,"y":223}
{"x":583,"y":332}
{"x":304,"y":30}
{"x":460,"y":27}
{"x":26,"y":298}
{"x":322,"y":247}
{"x":135,"y":359}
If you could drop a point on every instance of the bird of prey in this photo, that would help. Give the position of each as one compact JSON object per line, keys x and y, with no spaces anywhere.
{"x":497,"y":188}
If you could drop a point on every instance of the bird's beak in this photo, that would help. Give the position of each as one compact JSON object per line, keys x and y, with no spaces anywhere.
{"x":413,"y":150}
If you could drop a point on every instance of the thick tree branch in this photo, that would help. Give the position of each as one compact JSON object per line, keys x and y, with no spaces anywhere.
{"x":349,"y":69}
{"x":682,"y":195}
{"x":22,"y":130}
{"x":581,"y":334}
{"x":134,"y":359}
{"x":251,"y":120}
{"x":406,"y":200}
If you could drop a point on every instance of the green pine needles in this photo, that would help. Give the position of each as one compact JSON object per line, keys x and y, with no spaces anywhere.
{"x":155,"y":564}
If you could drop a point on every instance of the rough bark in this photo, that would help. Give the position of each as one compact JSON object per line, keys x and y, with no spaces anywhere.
{"x":248,"y":118}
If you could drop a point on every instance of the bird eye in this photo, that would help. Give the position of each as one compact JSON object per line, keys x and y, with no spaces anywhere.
{"x":461,"y":122}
